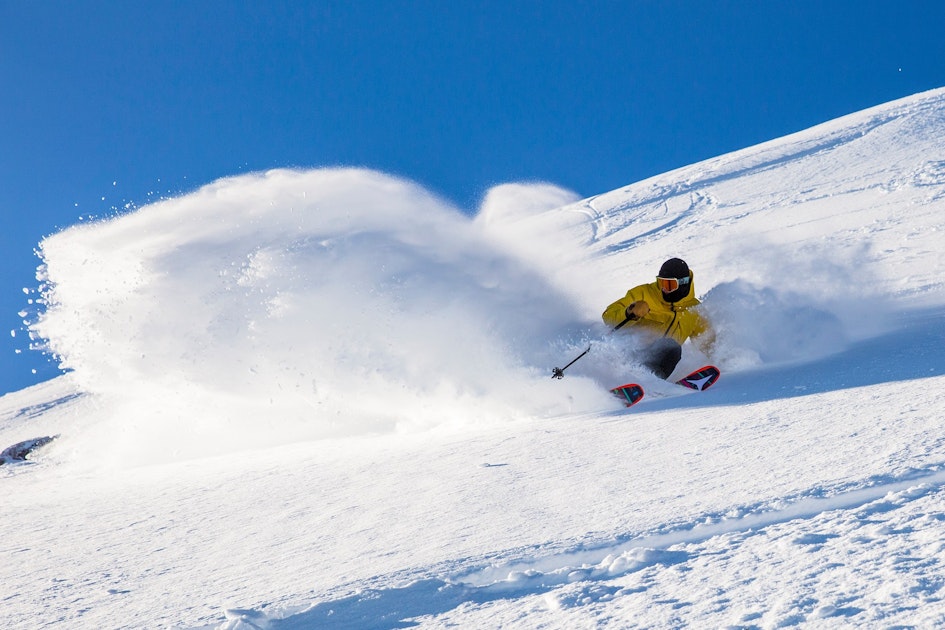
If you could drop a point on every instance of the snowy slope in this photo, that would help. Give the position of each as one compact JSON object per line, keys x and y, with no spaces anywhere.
{"x":322,"y":399}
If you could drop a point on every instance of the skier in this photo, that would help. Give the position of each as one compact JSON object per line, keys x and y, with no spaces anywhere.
{"x":664,"y":314}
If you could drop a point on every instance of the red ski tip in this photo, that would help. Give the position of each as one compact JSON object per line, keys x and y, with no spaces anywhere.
{"x":630,"y":394}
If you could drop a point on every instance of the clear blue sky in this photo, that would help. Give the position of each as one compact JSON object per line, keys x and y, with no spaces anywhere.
{"x":128,"y":100}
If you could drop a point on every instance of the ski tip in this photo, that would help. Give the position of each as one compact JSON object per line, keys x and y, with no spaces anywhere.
{"x":630,"y":394}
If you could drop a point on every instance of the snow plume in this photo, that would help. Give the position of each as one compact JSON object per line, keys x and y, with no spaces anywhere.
{"x":548,"y":228}
{"x":296,"y":305}
{"x":521,"y":218}
{"x":756,"y":325}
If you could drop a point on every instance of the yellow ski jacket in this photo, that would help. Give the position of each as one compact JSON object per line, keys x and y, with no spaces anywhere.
{"x":678,"y":321}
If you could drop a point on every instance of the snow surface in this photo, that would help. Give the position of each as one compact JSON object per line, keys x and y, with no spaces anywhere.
{"x":322,"y":399}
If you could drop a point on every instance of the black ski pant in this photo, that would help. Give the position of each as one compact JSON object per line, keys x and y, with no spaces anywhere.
{"x":662,"y":356}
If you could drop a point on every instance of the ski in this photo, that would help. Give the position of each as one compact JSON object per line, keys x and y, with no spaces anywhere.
{"x":702,"y":379}
{"x":630,"y":394}
{"x":699,"y":380}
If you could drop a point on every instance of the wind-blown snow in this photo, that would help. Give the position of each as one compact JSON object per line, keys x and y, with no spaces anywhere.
{"x":295,"y":305}
{"x":369,"y":369}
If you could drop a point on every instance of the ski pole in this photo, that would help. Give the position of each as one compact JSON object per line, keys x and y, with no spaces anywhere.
{"x":559,"y":372}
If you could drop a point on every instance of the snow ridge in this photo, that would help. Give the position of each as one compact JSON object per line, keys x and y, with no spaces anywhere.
{"x":587,"y":578}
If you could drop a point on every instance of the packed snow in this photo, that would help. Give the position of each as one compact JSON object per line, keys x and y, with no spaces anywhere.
{"x":323,"y":399}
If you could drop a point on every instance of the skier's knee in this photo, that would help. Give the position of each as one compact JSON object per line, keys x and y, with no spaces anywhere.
{"x":664,"y":358}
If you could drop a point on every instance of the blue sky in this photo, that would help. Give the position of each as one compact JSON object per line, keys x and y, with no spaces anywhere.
{"x":104,"y":104}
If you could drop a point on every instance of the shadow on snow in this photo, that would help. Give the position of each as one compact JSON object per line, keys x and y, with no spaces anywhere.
{"x":398,"y":607}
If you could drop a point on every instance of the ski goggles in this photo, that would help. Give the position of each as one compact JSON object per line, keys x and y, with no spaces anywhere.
{"x":668,"y":285}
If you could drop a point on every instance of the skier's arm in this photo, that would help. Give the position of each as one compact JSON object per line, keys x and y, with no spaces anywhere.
{"x":619,"y":311}
{"x":615,"y":313}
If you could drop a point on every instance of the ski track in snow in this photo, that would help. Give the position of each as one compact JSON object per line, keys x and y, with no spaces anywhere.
{"x":695,"y":201}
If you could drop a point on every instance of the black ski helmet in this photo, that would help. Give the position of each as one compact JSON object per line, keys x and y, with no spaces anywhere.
{"x":677,"y":268}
